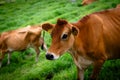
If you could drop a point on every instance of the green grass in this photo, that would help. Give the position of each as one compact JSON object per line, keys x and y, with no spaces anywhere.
{"x":23,"y":66}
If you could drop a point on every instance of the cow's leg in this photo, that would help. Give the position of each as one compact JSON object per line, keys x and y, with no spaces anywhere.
{"x":2,"y":54}
{"x":9,"y":55}
{"x":97,"y":67}
{"x":44,"y":47}
{"x":80,"y":74}
{"x":37,"y":53}
{"x":0,"y":63}
{"x":42,"y":44}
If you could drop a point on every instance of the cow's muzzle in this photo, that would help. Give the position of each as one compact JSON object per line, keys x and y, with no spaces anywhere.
{"x":49,"y":56}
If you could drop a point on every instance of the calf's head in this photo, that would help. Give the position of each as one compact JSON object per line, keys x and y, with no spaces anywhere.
{"x":62,"y":34}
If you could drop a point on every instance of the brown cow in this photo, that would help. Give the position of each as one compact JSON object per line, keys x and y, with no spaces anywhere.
{"x":21,"y":39}
{"x":118,"y":6}
{"x":86,"y":2}
{"x":92,"y":40}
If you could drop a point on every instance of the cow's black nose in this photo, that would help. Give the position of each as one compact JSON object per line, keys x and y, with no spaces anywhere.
{"x":49,"y":56}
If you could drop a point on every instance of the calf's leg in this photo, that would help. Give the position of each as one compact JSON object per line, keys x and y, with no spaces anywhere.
{"x":80,"y":74}
{"x":44,"y":47}
{"x":9,"y":56}
{"x":37,"y":53}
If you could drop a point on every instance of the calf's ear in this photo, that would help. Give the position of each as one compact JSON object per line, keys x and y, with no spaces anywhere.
{"x":75,"y":30}
{"x":48,"y":27}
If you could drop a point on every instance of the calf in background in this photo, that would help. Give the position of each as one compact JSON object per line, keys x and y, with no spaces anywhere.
{"x":86,"y":2}
{"x":21,"y":39}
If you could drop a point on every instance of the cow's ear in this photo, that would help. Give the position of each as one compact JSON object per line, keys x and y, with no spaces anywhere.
{"x":75,"y":30}
{"x":48,"y":27}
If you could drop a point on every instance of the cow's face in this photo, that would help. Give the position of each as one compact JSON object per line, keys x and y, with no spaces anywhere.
{"x":62,"y":34}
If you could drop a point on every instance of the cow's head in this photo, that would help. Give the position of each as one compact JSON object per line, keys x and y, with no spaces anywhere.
{"x":62,"y":34}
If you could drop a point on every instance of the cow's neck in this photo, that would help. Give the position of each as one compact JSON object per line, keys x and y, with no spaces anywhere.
{"x":80,"y":58}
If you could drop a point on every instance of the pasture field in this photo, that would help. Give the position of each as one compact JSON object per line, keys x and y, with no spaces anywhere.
{"x":31,"y":12}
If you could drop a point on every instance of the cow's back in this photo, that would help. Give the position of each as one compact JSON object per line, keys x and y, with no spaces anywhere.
{"x":111,"y":31}
{"x":22,"y":38}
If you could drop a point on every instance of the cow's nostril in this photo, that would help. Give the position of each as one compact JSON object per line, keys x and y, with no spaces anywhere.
{"x":49,"y":56}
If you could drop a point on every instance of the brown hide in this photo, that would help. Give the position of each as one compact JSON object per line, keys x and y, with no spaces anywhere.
{"x":92,"y":40}
{"x":86,"y":2}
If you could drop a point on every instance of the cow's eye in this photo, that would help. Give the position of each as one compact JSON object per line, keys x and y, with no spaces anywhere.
{"x":64,"y":36}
